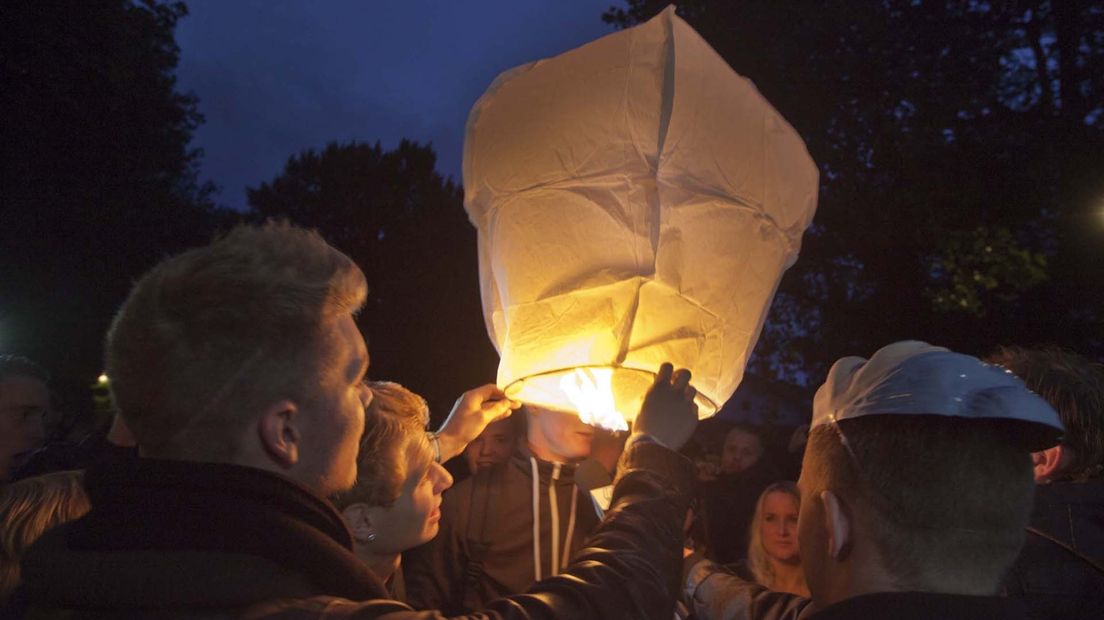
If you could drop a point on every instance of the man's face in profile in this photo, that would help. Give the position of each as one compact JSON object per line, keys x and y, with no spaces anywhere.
{"x":334,"y":423}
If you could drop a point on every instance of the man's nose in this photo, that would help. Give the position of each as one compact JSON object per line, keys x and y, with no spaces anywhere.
{"x":444,"y":479}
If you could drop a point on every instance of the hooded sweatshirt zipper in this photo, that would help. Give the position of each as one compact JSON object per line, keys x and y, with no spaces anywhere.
{"x":556,"y":561}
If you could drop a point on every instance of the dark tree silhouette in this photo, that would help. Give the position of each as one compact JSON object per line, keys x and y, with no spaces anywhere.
{"x":97,"y":180}
{"x":962,"y":186}
{"x":405,"y":226}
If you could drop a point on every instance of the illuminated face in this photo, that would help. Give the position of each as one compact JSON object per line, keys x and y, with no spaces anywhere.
{"x":24,"y":402}
{"x":331,"y":439}
{"x":415,"y":516}
{"x":494,"y":445}
{"x":560,"y":434}
{"x":741,"y":450}
{"x":778,"y":528}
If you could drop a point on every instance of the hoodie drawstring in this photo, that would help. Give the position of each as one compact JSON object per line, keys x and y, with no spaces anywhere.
{"x":536,"y":520}
{"x":554,"y":508}
{"x":558,"y":560}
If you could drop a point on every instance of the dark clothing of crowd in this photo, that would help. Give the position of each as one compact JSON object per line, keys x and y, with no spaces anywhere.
{"x":922,"y":606}
{"x":716,"y":592}
{"x":188,"y":540}
{"x":183,"y":539}
{"x":1055,"y":573}
{"x":914,"y":606}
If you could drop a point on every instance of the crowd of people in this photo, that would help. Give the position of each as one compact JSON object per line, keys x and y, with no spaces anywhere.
{"x":253,"y":471}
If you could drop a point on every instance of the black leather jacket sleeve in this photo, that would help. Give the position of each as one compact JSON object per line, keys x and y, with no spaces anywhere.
{"x":630,"y":568}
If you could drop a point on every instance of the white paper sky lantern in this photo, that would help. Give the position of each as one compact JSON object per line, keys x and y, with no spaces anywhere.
{"x":637,"y":202}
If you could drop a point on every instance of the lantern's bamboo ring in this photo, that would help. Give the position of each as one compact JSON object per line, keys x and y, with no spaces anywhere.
{"x":514,"y":386}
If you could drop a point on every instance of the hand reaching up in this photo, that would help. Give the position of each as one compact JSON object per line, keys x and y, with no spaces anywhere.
{"x":473,"y":411}
{"x":669,"y":413}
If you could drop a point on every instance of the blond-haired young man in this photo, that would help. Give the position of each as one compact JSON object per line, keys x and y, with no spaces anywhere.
{"x":239,"y":369}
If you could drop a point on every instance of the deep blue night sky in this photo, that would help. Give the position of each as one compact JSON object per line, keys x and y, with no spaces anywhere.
{"x":276,"y":77}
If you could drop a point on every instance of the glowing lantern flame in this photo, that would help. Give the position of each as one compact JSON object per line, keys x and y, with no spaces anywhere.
{"x":590,"y":391}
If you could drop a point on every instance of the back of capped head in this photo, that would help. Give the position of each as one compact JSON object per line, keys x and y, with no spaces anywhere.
{"x":915,"y":378}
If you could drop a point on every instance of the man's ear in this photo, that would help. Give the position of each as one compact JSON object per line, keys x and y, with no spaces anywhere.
{"x":360,"y":523}
{"x":1051,"y":462}
{"x":837,"y":526}
{"x":279,"y":432}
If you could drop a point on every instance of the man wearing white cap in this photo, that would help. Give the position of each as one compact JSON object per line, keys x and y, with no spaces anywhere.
{"x":916,"y":488}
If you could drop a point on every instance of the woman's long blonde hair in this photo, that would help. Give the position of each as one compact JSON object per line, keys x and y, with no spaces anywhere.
{"x":28,"y":509}
{"x":758,"y":562}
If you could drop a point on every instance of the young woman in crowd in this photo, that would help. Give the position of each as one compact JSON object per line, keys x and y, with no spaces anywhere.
{"x":773,"y":557}
{"x":395,"y":504}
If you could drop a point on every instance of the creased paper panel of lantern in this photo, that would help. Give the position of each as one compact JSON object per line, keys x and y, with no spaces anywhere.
{"x":637,"y":202}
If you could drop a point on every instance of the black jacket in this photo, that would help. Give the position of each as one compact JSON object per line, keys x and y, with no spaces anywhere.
{"x":716,"y":593}
{"x":171,"y":539}
{"x":922,"y":606}
{"x":1052,"y":580}
{"x":486,"y":548}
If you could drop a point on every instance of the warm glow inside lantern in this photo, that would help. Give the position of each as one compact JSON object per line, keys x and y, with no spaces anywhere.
{"x":636,"y":202}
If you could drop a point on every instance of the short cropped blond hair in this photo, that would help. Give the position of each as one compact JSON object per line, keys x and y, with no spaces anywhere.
{"x":394,"y":445}
{"x":211,"y":335}
{"x":945,"y":500}
{"x":28,"y":509}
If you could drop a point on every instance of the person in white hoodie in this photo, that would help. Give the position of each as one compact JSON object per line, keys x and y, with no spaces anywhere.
{"x":508,"y":525}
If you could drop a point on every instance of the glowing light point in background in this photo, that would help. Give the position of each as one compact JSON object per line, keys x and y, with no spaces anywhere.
{"x":591,"y":393}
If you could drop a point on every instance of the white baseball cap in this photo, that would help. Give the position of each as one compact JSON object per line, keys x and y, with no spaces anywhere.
{"x":916,"y":378}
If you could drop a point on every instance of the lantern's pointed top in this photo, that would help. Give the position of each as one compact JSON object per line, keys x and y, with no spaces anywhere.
{"x":636,"y":201}
{"x":916,"y":378}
